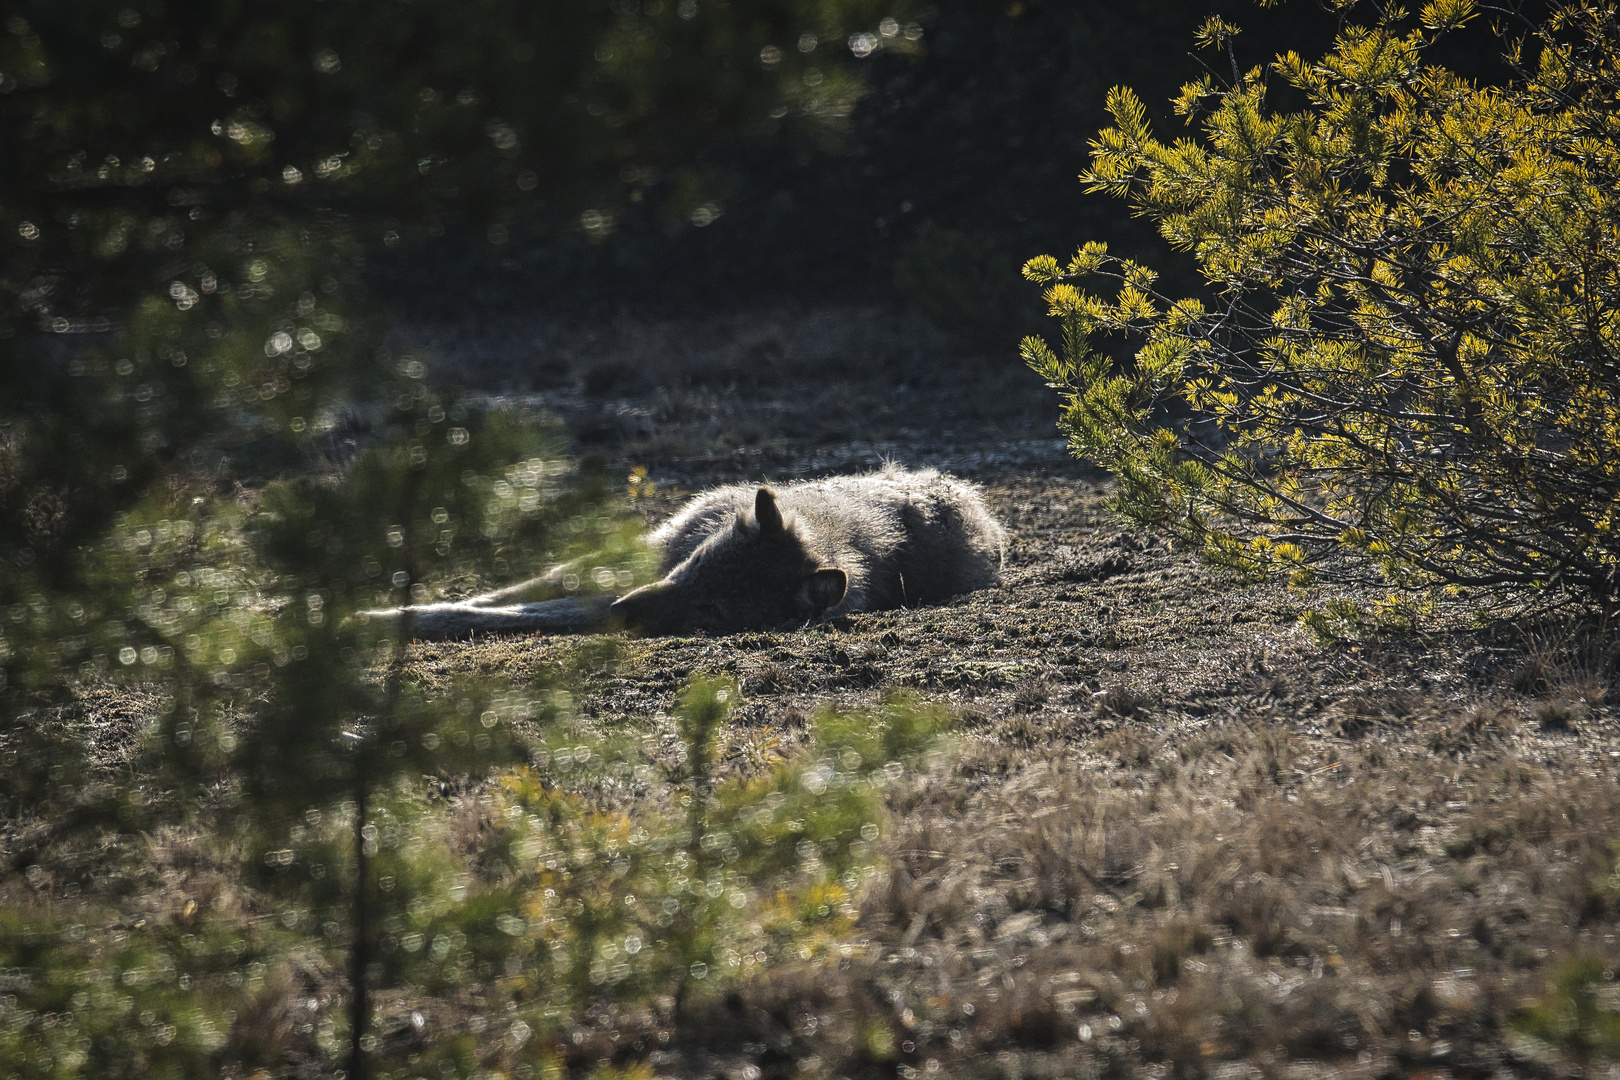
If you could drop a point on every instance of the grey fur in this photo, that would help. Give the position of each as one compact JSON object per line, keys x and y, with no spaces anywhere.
{"x":745,"y":557}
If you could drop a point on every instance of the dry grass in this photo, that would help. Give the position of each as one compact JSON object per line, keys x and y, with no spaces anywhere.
{"x":1247,"y":894}
{"x":1240,"y":896}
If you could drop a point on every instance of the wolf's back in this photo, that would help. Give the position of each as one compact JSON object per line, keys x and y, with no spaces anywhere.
{"x":939,"y":539}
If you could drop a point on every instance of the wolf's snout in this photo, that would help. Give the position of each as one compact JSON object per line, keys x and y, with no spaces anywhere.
{"x":646,"y":608}
{"x":823,"y":589}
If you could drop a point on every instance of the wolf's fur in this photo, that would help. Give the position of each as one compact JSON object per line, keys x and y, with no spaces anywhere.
{"x":741,"y":557}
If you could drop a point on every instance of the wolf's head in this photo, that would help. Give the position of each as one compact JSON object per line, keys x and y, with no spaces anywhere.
{"x":751,"y":574}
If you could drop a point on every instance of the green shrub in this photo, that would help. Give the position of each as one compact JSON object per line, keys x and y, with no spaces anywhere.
{"x":1403,"y":370}
{"x":701,"y":883}
{"x":1577,"y":1016}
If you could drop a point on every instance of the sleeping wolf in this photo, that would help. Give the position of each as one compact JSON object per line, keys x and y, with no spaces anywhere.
{"x":741,"y":558}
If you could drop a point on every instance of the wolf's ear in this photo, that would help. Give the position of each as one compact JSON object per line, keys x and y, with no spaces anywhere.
{"x":824,"y":588}
{"x":767,"y":513}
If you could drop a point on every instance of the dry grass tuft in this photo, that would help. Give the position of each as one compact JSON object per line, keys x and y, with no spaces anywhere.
{"x":1158,"y":908}
{"x":1121,"y":701}
{"x":1030,"y":694}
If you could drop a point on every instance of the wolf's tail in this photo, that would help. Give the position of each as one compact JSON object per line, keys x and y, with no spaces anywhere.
{"x":448,"y":622}
{"x":549,"y":583}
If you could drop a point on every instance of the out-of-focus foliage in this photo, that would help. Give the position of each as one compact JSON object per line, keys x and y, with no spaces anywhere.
{"x":371,"y":539}
{"x":700,"y":883}
{"x":1406,"y":370}
{"x":282,"y":724}
{"x":190,"y":191}
{"x":1573,"y":1017}
{"x":744,"y":873}
{"x":569,"y":903}
{"x":209,"y":464}
{"x":957,"y":165}
{"x":101,"y":996}
{"x":153,"y":140}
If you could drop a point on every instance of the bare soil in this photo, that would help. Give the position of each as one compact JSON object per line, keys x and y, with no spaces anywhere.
{"x":1180,"y":835}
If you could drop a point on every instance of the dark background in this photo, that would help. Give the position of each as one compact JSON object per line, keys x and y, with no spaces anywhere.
{"x":960,"y":163}
{"x":451,"y":156}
